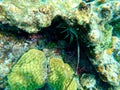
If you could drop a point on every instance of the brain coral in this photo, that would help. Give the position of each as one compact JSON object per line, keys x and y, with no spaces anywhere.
{"x":61,"y":75}
{"x":28,"y":73}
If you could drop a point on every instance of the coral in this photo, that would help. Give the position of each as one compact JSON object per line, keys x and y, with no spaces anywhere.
{"x":61,"y":75}
{"x":28,"y":73}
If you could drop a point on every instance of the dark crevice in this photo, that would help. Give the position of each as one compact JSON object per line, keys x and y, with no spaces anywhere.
{"x":19,"y":33}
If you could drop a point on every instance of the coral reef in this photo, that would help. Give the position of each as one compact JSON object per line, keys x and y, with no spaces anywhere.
{"x":96,"y":23}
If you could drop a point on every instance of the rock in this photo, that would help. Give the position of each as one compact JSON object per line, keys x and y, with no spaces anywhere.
{"x":4,"y":70}
{"x":101,"y":43}
{"x":88,"y":81}
{"x":31,"y":15}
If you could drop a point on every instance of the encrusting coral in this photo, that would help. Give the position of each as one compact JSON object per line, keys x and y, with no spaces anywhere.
{"x":30,"y":73}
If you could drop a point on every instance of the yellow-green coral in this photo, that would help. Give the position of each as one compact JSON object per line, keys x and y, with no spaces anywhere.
{"x":28,"y":73}
{"x":61,"y":75}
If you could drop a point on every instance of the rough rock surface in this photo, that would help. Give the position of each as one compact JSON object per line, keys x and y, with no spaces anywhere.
{"x":32,"y":15}
{"x":102,"y":41}
{"x":88,"y":81}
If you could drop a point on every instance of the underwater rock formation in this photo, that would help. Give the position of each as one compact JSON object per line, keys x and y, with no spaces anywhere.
{"x":32,"y":15}
{"x":95,"y":16}
{"x":102,"y":41}
{"x":88,"y":81}
{"x":31,"y":73}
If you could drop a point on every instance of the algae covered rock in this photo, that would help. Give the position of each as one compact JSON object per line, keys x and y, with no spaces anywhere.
{"x":88,"y":81}
{"x":61,"y":75}
{"x":29,"y":72}
{"x":101,"y":47}
{"x":32,"y":15}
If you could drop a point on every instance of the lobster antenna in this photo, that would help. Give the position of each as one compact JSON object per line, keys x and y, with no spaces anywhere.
{"x":78,"y":55}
